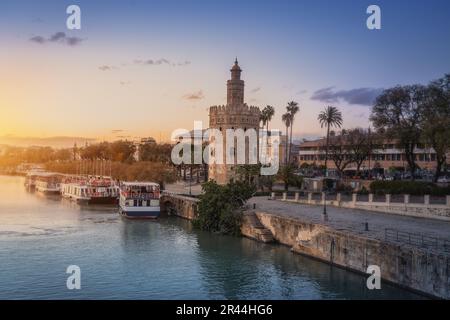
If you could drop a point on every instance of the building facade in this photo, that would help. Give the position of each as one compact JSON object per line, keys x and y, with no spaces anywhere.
{"x":236,"y":114}
{"x":383,"y":157}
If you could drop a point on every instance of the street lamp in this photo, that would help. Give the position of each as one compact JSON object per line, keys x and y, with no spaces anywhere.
{"x":324,"y":190}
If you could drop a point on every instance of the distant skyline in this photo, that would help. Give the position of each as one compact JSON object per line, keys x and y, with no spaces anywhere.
{"x":145,"y":68}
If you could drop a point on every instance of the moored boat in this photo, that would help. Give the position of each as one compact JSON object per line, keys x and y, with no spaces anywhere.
{"x":30,"y":179}
{"x":75,"y":188}
{"x":91,"y":189}
{"x":48,"y":183}
{"x":139,"y":200}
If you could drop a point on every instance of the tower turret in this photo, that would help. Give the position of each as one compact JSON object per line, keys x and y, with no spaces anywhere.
{"x":235,"y":86}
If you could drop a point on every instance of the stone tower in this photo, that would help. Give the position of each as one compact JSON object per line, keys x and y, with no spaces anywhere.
{"x":234,"y":115}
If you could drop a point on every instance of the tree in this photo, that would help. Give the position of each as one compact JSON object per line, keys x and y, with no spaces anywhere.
{"x":360,"y":146}
{"x":330,"y":117}
{"x":288,"y":176}
{"x":98,"y":151}
{"x":123,"y":151}
{"x":265,"y":117}
{"x":248,"y":172}
{"x":155,"y":152}
{"x":398,"y":114}
{"x":292,"y":108}
{"x":435,"y":124}
{"x":340,"y":152}
{"x":220,"y":207}
{"x":287,"y":120}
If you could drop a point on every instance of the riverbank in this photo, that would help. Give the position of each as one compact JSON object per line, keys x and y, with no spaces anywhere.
{"x":344,"y":241}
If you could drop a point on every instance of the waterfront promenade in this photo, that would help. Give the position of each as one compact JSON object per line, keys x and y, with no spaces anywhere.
{"x":353,"y":220}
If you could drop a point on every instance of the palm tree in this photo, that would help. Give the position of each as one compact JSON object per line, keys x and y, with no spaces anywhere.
{"x":263,"y":118}
{"x":269,"y":112}
{"x":330,"y":117}
{"x":292,"y":108}
{"x":266,"y":115}
{"x":287,"y":119}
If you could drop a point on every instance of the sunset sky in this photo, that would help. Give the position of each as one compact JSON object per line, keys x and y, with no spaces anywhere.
{"x":145,"y":68}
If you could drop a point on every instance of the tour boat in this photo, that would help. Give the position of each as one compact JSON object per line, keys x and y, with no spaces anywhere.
{"x":30,"y":179}
{"x":48,"y":183}
{"x":91,"y":189}
{"x":139,"y":200}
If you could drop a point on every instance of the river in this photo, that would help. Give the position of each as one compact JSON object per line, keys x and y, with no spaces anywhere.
{"x":167,"y":259}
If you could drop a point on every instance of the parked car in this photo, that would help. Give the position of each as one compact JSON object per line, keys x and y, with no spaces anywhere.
{"x":443,"y":179}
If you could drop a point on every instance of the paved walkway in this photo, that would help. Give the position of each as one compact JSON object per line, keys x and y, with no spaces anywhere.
{"x":352,"y":220}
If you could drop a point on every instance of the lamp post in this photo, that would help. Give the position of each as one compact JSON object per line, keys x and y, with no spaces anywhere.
{"x":324,"y":188}
{"x":190,"y":182}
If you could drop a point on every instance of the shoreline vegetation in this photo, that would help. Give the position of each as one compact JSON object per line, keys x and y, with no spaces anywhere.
{"x":135,"y":171}
{"x":117,"y":159}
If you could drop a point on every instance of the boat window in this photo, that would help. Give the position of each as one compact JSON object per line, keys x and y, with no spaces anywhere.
{"x":154,"y":203}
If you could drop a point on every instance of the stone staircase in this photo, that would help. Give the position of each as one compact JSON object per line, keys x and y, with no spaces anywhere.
{"x":253,"y":228}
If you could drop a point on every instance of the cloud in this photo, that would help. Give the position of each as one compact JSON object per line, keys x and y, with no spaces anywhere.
{"x":359,"y":96}
{"x":73,"y":41}
{"x":300,"y":92}
{"x":255,"y":89}
{"x":37,"y":20}
{"x":185,"y":63}
{"x":38,"y":39}
{"x":161,"y":61}
{"x":115,"y":131}
{"x":194,"y":96}
{"x":58,"y":37}
{"x":107,"y":67}
{"x":124,"y":83}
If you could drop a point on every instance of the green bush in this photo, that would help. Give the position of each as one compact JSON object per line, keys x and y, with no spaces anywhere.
{"x":342,"y":188}
{"x":417,"y":188}
{"x":220,"y":207}
{"x":363,"y":191}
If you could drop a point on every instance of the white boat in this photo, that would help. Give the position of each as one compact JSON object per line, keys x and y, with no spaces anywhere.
{"x":48,"y":182}
{"x":90,"y":189}
{"x":139,"y":200}
{"x":30,"y":179}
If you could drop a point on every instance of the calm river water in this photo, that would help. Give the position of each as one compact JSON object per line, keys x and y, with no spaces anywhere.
{"x":120,"y":259}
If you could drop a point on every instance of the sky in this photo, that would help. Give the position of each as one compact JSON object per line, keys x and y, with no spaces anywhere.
{"x":146,"y":68}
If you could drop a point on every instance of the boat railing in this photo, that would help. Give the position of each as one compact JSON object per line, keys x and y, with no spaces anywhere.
{"x":141,"y":196}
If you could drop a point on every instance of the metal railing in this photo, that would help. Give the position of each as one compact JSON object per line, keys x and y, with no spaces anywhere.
{"x":417,"y":239}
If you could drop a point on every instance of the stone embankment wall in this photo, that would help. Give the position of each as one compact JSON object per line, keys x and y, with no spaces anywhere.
{"x":413,"y":268}
{"x":424,"y":271}
{"x":179,"y":205}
